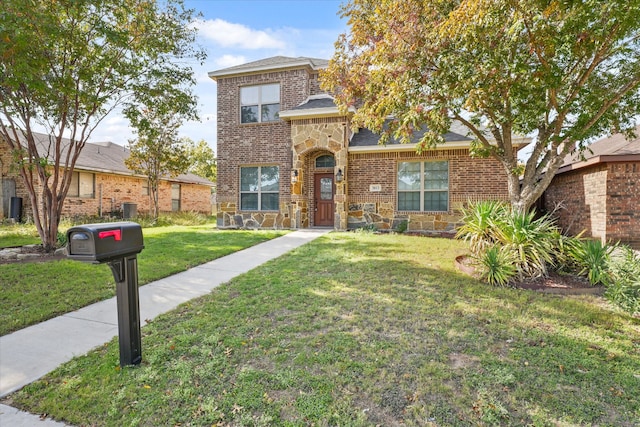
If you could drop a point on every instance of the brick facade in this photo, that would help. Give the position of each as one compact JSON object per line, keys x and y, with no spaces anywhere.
{"x":110,"y":192}
{"x":469,"y":180}
{"x":255,"y":144}
{"x":294,"y":143}
{"x":602,"y":200}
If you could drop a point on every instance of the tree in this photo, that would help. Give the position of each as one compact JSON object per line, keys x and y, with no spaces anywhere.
{"x":203,"y":159}
{"x":65,"y":64}
{"x":564,"y":72}
{"x":158,"y":151}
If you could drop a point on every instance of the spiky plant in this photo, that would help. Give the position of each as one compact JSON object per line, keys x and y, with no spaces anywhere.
{"x":532,"y":241}
{"x":480,"y":221}
{"x":496,"y":265}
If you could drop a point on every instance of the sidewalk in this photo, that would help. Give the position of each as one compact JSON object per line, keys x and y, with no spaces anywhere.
{"x":28,"y":354}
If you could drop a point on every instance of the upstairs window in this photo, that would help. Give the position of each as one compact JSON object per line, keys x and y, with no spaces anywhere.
{"x":259,"y":104}
{"x":423,"y":186}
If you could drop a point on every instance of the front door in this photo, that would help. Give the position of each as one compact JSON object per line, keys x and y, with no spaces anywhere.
{"x":324,"y":206}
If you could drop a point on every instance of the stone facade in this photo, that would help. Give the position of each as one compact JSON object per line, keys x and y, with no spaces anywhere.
{"x":602,"y":200}
{"x":311,"y":138}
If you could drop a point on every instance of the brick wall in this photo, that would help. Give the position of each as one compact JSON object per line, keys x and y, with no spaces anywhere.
{"x":470,"y":179}
{"x":282,"y":143}
{"x":314,"y":84}
{"x":603,"y":200}
{"x":623,"y":203}
{"x":114,"y":190}
{"x":255,"y":143}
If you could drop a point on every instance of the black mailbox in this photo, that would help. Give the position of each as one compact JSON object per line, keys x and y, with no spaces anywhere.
{"x":118,"y":245}
{"x":104,"y":242}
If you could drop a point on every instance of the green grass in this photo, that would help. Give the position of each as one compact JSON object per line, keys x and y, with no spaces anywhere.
{"x":357,"y":329}
{"x":18,"y":235}
{"x":33,"y":292}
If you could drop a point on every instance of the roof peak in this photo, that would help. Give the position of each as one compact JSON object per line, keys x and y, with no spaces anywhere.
{"x":271,"y":63}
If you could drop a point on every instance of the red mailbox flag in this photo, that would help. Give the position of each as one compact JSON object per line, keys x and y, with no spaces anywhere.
{"x":117,"y":234}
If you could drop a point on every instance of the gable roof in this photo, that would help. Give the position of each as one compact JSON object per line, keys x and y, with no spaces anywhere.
{"x":273,"y":63}
{"x":615,"y":148}
{"x":315,"y":106}
{"x":107,"y":157}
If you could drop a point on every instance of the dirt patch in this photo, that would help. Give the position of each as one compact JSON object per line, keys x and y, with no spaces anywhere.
{"x":462,"y":361}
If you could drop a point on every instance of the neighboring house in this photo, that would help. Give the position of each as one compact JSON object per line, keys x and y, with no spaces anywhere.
{"x":600,"y":193}
{"x":287,"y":158}
{"x":102,"y":185}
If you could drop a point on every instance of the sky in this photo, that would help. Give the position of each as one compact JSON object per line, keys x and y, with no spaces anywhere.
{"x":241,"y":31}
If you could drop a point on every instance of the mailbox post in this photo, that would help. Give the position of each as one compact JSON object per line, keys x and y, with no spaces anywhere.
{"x":116,"y":244}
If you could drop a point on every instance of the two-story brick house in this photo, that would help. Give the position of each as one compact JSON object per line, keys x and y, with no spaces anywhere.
{"x":287,"y":158}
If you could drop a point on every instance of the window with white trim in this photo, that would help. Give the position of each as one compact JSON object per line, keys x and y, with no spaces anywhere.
{"x":82,"y":185}
{"x":423,"y":186}
{"x":260,"y":104}
{"x":259,"y":188}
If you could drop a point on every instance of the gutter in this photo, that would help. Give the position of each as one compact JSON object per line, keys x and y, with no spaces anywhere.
{"x":609,"y":158}
{"x":447,"y":145}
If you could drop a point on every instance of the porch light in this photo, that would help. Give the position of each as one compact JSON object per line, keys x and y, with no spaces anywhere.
{"x":294,"y":176}
{"x":339,"y":176}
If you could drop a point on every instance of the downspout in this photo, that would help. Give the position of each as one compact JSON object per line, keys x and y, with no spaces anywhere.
{"x":100,"y":200}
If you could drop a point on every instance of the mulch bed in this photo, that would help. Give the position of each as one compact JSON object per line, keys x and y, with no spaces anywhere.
{"x":553,"y":283}
{"x":31,"y":253}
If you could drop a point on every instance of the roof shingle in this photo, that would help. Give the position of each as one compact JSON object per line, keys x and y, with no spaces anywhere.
{"x":603,"y":150}
{"x":107,"y":157}
{"x":271,"y":63}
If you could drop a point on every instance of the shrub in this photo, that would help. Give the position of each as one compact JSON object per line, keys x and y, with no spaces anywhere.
{"x":61,"y":239}
{"x":402,"y":226}
{"x":497,"y":265}
{"x":591,"y":258}
{"x":369,"y":228}
{"x":531,"y":242}
{"x":174,"y":218}
{"x":623,"y":280}
{"x":480,"y":221}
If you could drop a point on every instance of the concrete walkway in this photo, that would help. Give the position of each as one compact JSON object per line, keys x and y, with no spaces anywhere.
{"x":28,"y":354}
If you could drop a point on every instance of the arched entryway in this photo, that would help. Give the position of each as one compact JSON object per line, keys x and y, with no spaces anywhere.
{"x":319,"y":149}
{"x":324,"y":190}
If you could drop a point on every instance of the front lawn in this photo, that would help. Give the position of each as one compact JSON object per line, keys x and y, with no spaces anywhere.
{"x":18,"y":235}
{"x":34,"y":292}
{"x":361,"y":329}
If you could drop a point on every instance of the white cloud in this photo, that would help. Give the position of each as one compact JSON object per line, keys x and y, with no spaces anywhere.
{"x":114,"y":128}
{"x":230,"y":60}
{"x":228,"y":34}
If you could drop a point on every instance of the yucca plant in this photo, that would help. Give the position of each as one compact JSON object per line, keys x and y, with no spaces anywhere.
{"x":480,"y":221}
{"x":623,"y":280}
{"x":566,"y":246}
{"x":496,"y":265}
{"x":592,"y":259}
{"x":532,"y":241}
